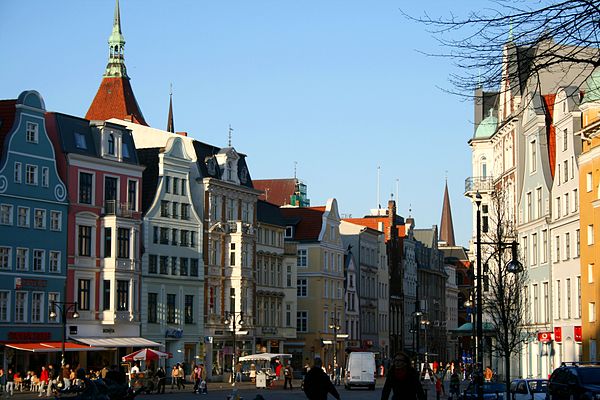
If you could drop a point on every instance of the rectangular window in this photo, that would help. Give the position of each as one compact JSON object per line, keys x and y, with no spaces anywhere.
{"x":288,"y":276}
{"x":155,"y":234}
{"x":132,"y":195}
{"x":567,"y":205}
{"x":230,"y":209}
{"x":302,"y":287}
{"x":558,"y":208}
{"x":39,"y":219}
{"x":590,"y":271}
{"x":175,"y":210}
{"x":107,"y":242}
{"x":568,"y":293}
{"x":183,"y":266}
{"x":194,"y":267}
{"x":85,"y":241}
{"x":176,"y":186}
{"x":37,"y":305}
{"x":567,"y":246}
{"x":85,"y":188}
{"x":529,"y":205}
{"x":544,"y":246}
{"x":579,"y":297}
{"x":536,"y":304}
{"x":23,"y":217}
{"x":232,"y":255}
{"x":592,"y":312}
{"x":183,"y":238}
{"x":185,"y":211}
{"x":174,"y":234}
{"x":22,"y":260}
{"x":577,"y":242}
{"x":164,"y":208}
{"x":575,"y":200}
{"x":5,"y":257}
{"x":31,"y":132}
{"x":53,"y":297}
{"x":31,"y":174}
{"x":6,"y":214}
{"x":18,"y":172}
{"x":167,"y":184}
{"x":301,"y":258}
{"x":558,"y":305}
{"x":122,"y":295}
{"x":589,"y":183}
{"x":106,"y":294}
{"x":525,"y":250}
{"x":171,"y":308}
{"x":4,"y":305}
{"x":55,"y":221}
{"x":565,"y":140}
{"x":302,"y":321}
{"x":21,"y":307}
{"x":189,"y":309}
{"x":538,"y":202}
{"x":152,"y":263}
{"x":173,"y":266}
{"x":45,"y":177}
{"x":123,"y":242}
{"x":152,"y":308}
{"x":80,"y":141}
{"x":54,"y":261}
{"x":534,"y":249}
{"x":590,"y":235}
{"x":557,"y":248}
{"x":39,"y":256}
{"x":83,"y":294}
{"x":566,"y":169}
{"x":532,"y":156}
{"x":164,"y":235}
{"x":164,"y":261}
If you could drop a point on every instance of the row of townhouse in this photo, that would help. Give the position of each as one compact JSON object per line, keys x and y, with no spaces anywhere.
{"x":535,"y":142}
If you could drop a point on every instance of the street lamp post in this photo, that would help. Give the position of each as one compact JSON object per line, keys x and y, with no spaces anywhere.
{"x":335,"y":325}
{"x":513,"y":266}
{"x":415,"y":331}
{"x":234,"y":318}
{"x":425,"y":323}
{"x":63,"y":307}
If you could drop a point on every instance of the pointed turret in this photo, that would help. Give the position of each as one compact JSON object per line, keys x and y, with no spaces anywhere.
{"x":446,"y":225}
{"x":170,"y":121}
{"x":115,"y":98}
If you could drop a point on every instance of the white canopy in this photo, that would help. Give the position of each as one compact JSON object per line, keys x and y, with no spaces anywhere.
{"x":264,"y":357}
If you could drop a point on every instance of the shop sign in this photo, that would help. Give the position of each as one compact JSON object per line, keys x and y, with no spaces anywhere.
{"x":577,"y":331}
{"x":21,"y":283}
{"x":544,"y":337}
{"x":29,"y":336}
{"x":174,"y":333}
{"x":558,"y":333}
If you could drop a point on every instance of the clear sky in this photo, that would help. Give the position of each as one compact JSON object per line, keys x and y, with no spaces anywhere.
{"x":337,"y":86}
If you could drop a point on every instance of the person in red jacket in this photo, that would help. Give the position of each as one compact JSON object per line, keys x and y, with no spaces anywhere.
{"x":43,"y":380}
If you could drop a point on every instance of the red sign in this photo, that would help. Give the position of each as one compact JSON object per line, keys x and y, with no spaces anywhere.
{"x":29,"y":336}
{"x":577,"y":332}
{"x":558,"y":333}
{"x":544,"y":337}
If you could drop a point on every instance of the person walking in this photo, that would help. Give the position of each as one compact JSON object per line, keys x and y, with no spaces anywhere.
{"x":66,"y":376}
{"x":238,"y":372}
{"x":203,"y":385}
{"x":160,"y":374}
{"x":403,"y":380}
{"x":10,"y":382}
{"x":317,"y":384}
{"x":174,"y":377}
{"x":288,"y":374}
{"x":51,"y":380}
{"x":180,"y":376}
{"x":439,"y":387}
{"x":454,"y":385}
{"x":43,"y":380}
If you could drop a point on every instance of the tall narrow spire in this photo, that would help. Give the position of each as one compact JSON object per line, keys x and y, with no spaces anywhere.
{"x":446,"y":225}
{"x":115,"y":98}
{"x":170,"y":121}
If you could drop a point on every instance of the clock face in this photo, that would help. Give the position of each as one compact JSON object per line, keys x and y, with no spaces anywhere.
{"x":210,"y":165}
{"x":244,"y":175}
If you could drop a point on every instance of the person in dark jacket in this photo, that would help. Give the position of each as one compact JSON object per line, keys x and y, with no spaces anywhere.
{"x":317,"y":384}
{"x":403,"y":379}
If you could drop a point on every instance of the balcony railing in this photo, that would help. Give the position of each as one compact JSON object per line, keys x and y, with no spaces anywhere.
{"x":479,"y":183}
{"x":111,"y":207}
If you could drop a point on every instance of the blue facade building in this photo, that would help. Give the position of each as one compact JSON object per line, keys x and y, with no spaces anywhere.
{"x":33,"y":232}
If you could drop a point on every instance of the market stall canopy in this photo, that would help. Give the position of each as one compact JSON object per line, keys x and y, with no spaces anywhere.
{"x":118,"y":342}
{"x":264,"y":356}
{"x":51,"y":347}
{"x":146,"y":355}
{"x":467,"y":329}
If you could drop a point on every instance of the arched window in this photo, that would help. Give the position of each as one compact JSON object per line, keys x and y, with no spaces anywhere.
{"x":229,"y":171}
{"x":483,"y":167}
{"x":111,"y":144}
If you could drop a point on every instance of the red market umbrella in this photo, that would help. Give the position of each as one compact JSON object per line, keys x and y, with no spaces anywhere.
{"x":146,"y":355}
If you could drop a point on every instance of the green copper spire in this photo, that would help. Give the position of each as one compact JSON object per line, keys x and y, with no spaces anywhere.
{"x":116,"y":44}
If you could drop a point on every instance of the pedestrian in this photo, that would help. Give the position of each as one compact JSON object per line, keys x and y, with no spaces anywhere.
{"x":43,"y":380}
{"x":51,"y":380}
{"x":288,"y":373}
{"x":317,"y":384}
{"x":403,"y":380}
{"x":439,"y":387}
{"x":160,"y":374}
{"x":10,"y":382}
{"x":278,"y":367}
{"x":66,"y":376}
{"x":2,"y":380}
{"x":203,"y":384}
{"x":238,"y":372}
{"x":181,"y":376}
{"x":488,"y":374}
{"x":175,"y":376}
{"x":454,"y":384}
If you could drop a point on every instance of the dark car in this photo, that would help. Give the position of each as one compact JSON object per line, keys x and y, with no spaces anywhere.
{"x":575,"y":382}
{"x":491,"y":391}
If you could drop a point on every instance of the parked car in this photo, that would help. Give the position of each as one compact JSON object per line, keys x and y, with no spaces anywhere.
{"x":528,"y":389}
{"x":491,"y":391}
{"x":575,"y":382}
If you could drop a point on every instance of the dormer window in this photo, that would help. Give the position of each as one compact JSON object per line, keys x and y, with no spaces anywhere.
{"x":229,"y":171}
{"x":80,"y":141}
{"x":289,"y":232}
{"x":111,"y":144}
{"x":32,"y":132}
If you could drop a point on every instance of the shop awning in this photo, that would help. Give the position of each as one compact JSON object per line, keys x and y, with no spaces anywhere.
{"x":51,"y":347}
{"x":118,"y":342}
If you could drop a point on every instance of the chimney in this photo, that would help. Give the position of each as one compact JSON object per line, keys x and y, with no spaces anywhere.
{"x":392,"y":230}
{"x":182,"y":133}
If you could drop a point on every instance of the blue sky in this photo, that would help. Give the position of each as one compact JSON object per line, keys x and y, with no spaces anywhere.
{"x":337,"y":86}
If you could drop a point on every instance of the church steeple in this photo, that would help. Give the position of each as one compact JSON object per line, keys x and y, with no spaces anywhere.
{"x":116,"y":45}
{"x":115,"y":98}
{"x":446,"y":225}
{"x":170,"y":121}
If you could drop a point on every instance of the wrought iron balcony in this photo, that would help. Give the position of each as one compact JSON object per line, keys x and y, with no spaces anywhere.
{"x":111,"y":207}
{"x":474,"y":184}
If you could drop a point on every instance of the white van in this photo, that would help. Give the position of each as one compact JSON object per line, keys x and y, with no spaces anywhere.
{"x":360,"y":370}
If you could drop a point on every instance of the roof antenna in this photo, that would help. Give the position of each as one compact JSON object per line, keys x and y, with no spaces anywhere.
{"x":409,"y":210}
{"x":378,"y":173}
{"x":230,"y":132}
{"x":295,"y":165}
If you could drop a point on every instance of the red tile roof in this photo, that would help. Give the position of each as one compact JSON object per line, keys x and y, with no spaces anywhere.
{"x":7,"y":117}
{"x":310,"y":221}
{"x":115,"y":99}
{"x":373,"y":223}
{"x":277,"y":191}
